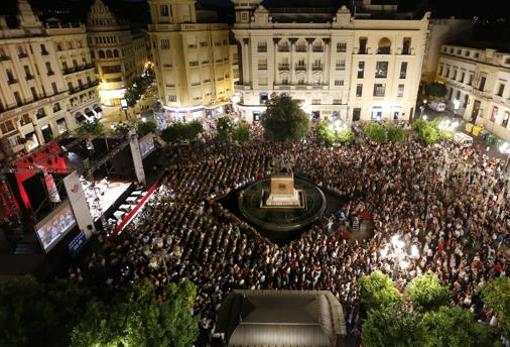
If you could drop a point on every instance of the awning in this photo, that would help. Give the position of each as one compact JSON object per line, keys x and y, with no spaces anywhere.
{"x":80,"y":118}
{"x":98,"y":109}
{"x":90,"y":113}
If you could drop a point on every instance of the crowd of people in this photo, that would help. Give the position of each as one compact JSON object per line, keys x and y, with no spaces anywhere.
{"x":449,"y":203}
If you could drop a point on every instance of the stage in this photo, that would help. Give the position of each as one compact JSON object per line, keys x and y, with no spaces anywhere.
{"x":103,"y":194}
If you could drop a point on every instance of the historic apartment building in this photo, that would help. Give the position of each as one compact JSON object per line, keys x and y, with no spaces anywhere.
{"x":47,"y":82}
{"x":192,"y":58}
{"x":355,"y":67}
{"x":478,"y":82}
{"x":119,"y":53}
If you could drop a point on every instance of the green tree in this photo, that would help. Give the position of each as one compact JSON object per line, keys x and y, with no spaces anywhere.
{"x":454,"y":327}
{"x":138,"y":86}
{"x":241,"y":134}
{"x":496,"y":295}
{"x":427,"y":293}
{"x":376,"y":132}
{"x":35,"y":314}
{"x":94,"y":128}
{"x":181,"y":132}
{"x":327,"y":133}
{"x":284,"y":120}
{"x":147,"y":127}
{"x":141,"y":316}
{"x":429,"y":132}
{"x":395,"y":134}
{"x":392,"y":325}
{"x":377,"y":290}
{"x":224,"y":128}
{"x":436,"y":90}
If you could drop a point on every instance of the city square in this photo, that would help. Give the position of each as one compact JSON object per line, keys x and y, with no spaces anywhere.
{"x":253,"y":173}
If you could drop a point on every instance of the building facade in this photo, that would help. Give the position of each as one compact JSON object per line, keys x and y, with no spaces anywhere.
{"x":442,"y":31}
{"x":478,"y":83}
{"x":192,"y":59}
{"x":119,"y":53}
{"x":337,"y":64}
{"x":47,"y":82}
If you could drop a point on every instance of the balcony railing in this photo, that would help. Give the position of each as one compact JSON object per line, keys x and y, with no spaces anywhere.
{"x":318,"y":49}
{"x":74,"y":69}
{"x":284,"y":49}
{"x":317,"y":67}
{"x":284,"y":67}
{"x":12,"y":80}
{"x":300,"y":67}
{"x":22,"y":55}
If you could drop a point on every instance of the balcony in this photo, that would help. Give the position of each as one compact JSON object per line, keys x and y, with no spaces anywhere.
{"x":29,"y":77}
{"x":301,"y":49}
{"x":317,"y":68}
{"x":318,"y":49}
{"x":340,"y":67}
{"x":284,"y":67}
{"x":70,"y":70}
{"x":12,"y":81}
{"x":284,"y":49}
{"x":83,"y":87}
{"x":45,"y":52}
{"x":262,"y":67}
{"x":22,"y":55}
{"x":4,"y":57}
{"x":300,"y":67}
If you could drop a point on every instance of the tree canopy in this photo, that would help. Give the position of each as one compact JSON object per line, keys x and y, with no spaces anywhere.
{"x":182,"y":131}
{"x":392,"y":325}
{"x":284,"y":120}
{"x":329,"y":134}
{"x":91,"y":128}
{"x":427,"y":293}
{"x":454,"y":327}
{"x":435,"y":90}
{"x":496,"y":295}
{"x":144,"y":128}
{"x":429,"y":132}
{"x":377,"y":290}
{"x":138,"y":86}
{"x":140,"y":316}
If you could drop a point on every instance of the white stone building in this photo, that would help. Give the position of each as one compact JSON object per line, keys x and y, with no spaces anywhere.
{"x":478,"y":82}
{"x":353,"y":67}
{"x":119,"y":53}
{"x":47,"y":83}
{"x":192,"y":59}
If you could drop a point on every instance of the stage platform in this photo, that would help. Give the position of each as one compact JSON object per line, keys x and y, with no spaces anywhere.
{"x":103,"y":195}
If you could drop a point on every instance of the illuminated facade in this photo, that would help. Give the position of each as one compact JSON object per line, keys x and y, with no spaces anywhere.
{"x":339,"y":65}
{"x":47,"y":82}
{"x":118,"y":53}
{"x":478,"y":82}
{"x":192,"y":59}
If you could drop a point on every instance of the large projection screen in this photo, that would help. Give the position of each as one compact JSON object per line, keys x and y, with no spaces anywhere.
{"x":55,"y":226}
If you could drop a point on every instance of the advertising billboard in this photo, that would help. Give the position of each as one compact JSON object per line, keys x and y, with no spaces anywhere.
{"x":79,"y":203}
{"x":147,"y":145}
{"x":55,"y":226}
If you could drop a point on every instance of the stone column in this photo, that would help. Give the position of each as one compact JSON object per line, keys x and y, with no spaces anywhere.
{"x":248,"y":63}
{"x":275,"y":67}
{"x":327,"y":61}
{"x":292,"y":58}
{"x":309,"y":40}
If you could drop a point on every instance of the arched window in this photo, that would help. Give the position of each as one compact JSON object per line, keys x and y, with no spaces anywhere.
{"x":318,"y":46}
{"x":101,"y":54}
{"x":109,"y":53}
{"x":115,"y":53}
{"x":384,"y":46}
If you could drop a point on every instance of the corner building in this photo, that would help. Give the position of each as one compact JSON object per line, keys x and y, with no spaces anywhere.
{"x":47,"y":81}
{"x":350,"y":67}
{"x":192,"y":59}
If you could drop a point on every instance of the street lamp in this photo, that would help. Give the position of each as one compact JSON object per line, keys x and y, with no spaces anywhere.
{"x":396,"y":251}
{"x":505,"y":149}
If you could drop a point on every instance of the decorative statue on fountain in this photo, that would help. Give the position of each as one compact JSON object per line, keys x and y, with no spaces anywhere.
{"x":282,"y":193}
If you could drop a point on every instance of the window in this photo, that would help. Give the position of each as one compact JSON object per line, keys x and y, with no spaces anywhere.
{"x":361,"y":69}
{"x":43,"y":49}
{"x":54,"y":87}
{"x":403,"y":70}
{"x":341,"y":47}
{"x":284,"y":47}
{"x":10,"y":76}
{"x":285,"y":81}
{"x":481,"y":85}
{"x":501,"y":89}
{"x":163,"y":10}
{"x":340,"y":65}
{"x":471,"y":78}
{"x":381,"y":69}
{"x":359,"y":90}
{"x":316,"y":101}
{"x":28,"y":75}
{"x":262,"y":47}
{"x":507,"y":61}
{"x":40,"y":113}
{"x":6,"y":127}
{"x":441,"y":68}
{"x":101,"y":54}
{"x":362,"y":45}
{"x":467,"y":53}
{"x":262,"y":64}
{"x":400,"y":92}
{"x":454,"y":77}
{"x":504,"y":122}
{"x":111,"y":69}
{"x":56,"y":107}
{"x":61,"y":126}
{"x":165,"y":44}
{"x":172,"y":98}
{"x":24,"y":120}
{"x":244,"y":16}
{"x":379,"y":89}
{"x":406,"y":46}
{"x":49,"y":70}
{"x":34,"y":93}
{"x":263,"y":98}
{"x":356,"y":114}
{"x":462,"y":76}
{"x":384,"y":46}
{"x":339,"y":83}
